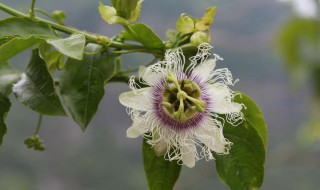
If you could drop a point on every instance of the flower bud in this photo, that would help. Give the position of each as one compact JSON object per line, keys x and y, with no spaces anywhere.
{"x":59,"y":16}
{"x":207,"y":19}
{"x":185,"y":24}
{"x":200,"y":37}
{"x":124,"y":7}
{"x":123,"y":11}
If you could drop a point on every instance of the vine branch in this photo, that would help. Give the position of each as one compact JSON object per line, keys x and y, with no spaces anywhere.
{"x":90,"y":37}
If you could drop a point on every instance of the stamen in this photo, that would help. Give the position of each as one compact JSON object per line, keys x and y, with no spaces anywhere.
{"x":181,"y":98}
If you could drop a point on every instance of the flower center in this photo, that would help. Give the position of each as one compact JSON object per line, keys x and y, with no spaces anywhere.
{"x":181,"y":98}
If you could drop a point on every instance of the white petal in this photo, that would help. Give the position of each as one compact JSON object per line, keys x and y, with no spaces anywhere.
{"x":152,"y":74}
{"x":138,"y":99}
{"x":221,"y":98}
{"x":134,"y":131}
{"x":204,"y":70}
{"x":188,"y":154}
{"x":161,"y":147}
{"x":212,"y":138}
{"x":138,"y":127}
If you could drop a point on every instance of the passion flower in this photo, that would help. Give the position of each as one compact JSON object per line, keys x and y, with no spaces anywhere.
{"x":181,"y":107}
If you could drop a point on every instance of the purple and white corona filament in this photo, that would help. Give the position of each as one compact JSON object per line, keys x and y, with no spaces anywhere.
{"x":178,"y":111}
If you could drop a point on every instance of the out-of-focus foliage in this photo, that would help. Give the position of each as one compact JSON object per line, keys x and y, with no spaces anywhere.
{"x":298,"y":41}
{"x":310,"y":133}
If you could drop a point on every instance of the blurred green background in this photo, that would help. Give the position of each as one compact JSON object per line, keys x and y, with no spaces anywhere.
{"x":270,"y":46}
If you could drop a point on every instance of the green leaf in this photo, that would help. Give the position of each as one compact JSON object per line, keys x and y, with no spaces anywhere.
{"x":36,"y":89}
{"x":25,"y":27}
{"x":243,"y":167}
{"x":4,"y":109}
{"x":297,"y":43}
{"x":254,"y":116}
{"x":6,"y":39}
{"x":72,"y":46}
{"x":17,"y":45}
{"x":82,"y":83}
{"x":8,"y":76}
{"x":19,"y":34}
{"x":146,"y":36}
{"x":161,"y":174}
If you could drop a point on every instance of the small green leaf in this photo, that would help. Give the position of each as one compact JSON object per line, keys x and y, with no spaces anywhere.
{"x":146,"y":36}
{"x":17,"y":45}
{"x":52,"y":57}
{"x":4,"y":109}
{"x":72,"y":46}
{"x":36,"y":89}
{"x":243,"y":167}
{"x":25,"y":27}
{"x":161,"y":174}
{"x":82,"y":83}
{"x":8,"y":76}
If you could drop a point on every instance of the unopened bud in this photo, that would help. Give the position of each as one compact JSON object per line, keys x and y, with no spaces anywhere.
{"x":199,"y":37}
{"x":124,"y":7}
{"x":59,"y":16}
